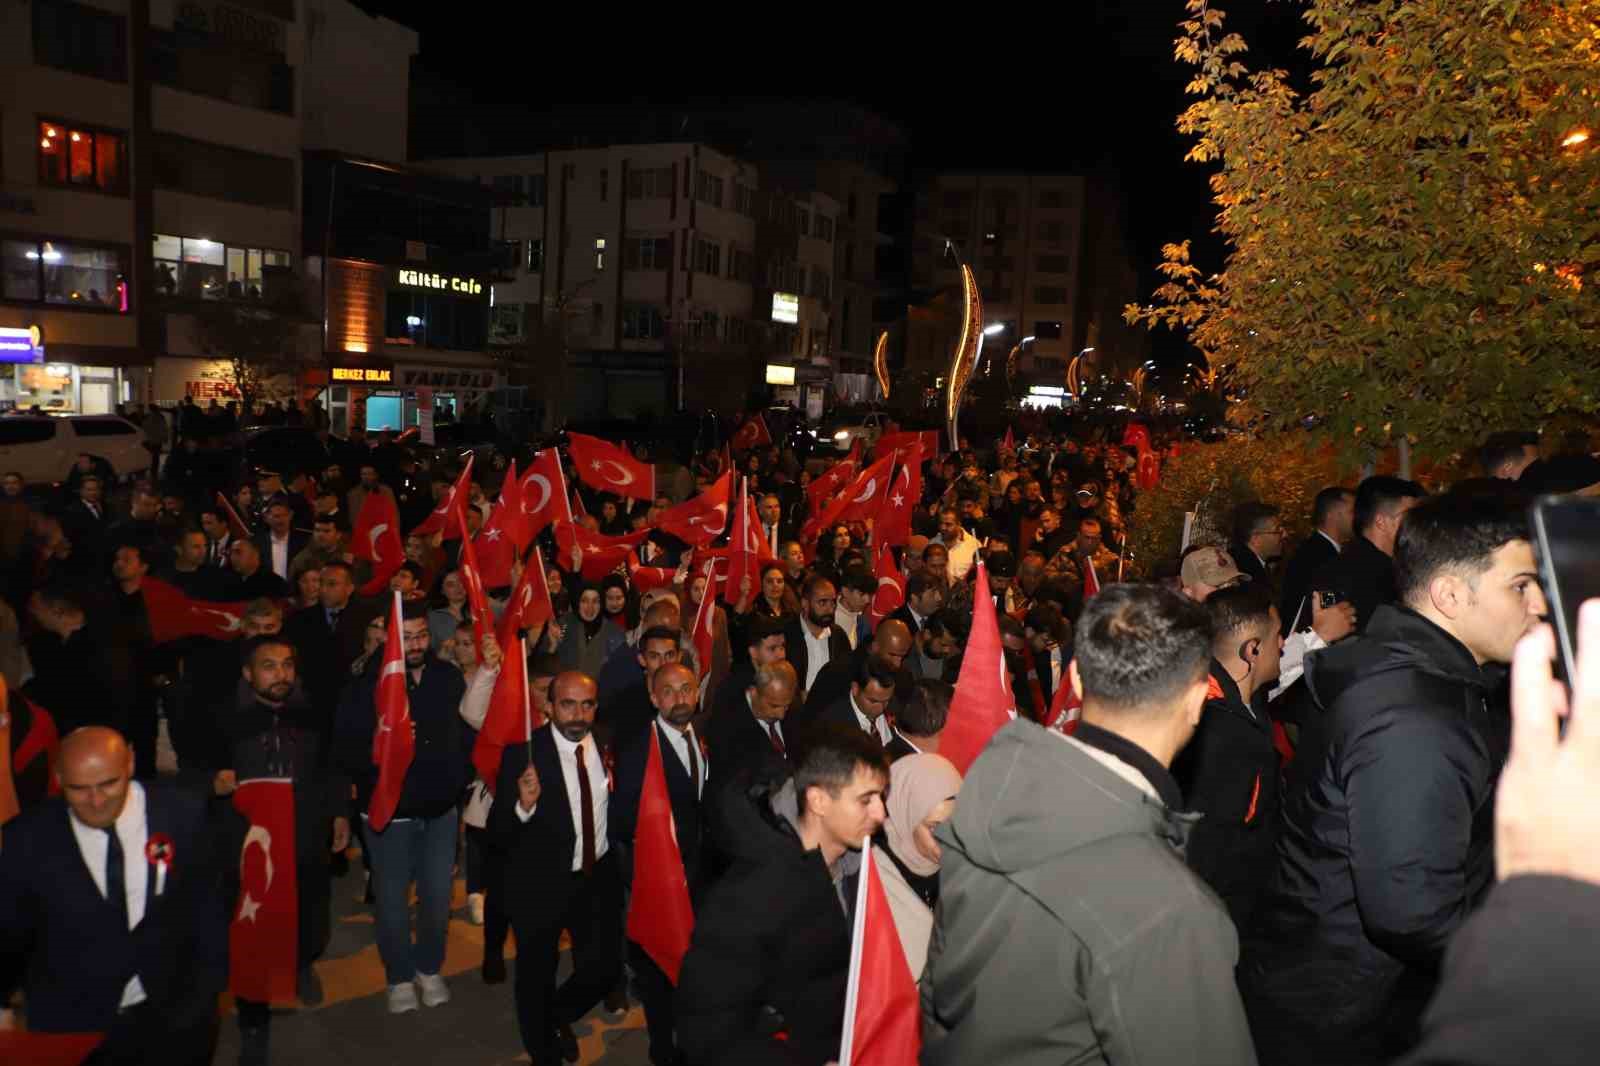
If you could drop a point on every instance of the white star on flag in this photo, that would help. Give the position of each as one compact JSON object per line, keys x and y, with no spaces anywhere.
{"x":898,"y":499}
{"x":595,"y":465}
{"x":491,"y":534}
{"x":248,"y":908}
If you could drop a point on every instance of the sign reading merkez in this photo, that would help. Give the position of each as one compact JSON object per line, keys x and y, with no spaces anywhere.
{"x":423,"y":279}
{"x":447,"y":380}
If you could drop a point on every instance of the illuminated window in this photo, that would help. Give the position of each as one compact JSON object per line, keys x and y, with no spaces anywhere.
{"x":79,"y":156}
{"x":60,"y":272}
{"x":197,"y":268}
{"x":599,"y":253}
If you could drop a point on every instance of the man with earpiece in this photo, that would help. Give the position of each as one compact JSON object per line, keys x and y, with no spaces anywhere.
{"x":1230,"y":771}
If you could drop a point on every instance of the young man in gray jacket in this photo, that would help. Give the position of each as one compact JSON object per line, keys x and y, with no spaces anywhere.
{"x":1070,"y":929}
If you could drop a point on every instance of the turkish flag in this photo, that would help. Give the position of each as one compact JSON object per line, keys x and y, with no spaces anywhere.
{"x":605,"y":466}
{"x":982,"y":702}
{"x":743,"y":548}
{"x":832,"y":481}
{"x":1009,"y":444}
{"x":510,"y":719}
{"x":891,"y":587}
{"x":472,"y":577}
{"x":438,"y":519}
{"x":543,"y":495}
{"x":893,"y":525}
{"x":263,"y":939}
{"x":644,"y":578}
{"x":236,"y":525}
{"x":889,"y":443}
{"x":529,"y":606}
{"x":700,"y":519}
{"x":1091,"y":581}
{"x":705,"y":618}
{"x":882,"y":1012}
{"x":174,"y":616}
{"x":660,"y":919}
{"x":48,"y":1049}
{"x":376,"y":538}
{"x":394,"y":743}
{"x":866,"y":494}
{"x":601,"y":554}
{"x":1065,"y":706}
{"x":495,"y":546}
{"x":753,"y":434}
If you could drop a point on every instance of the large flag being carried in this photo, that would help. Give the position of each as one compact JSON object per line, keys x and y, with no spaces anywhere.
{"x":174,"y":616}
{"x":393,"y":743}
{"x":660,"y":919}
{"x":438,"y":520}
{"x":882,"y":1015}
{"x":982,"y":701}
{"x":602,"y":465}
{"x":376,"y":538}
{"x":543,"y":495}
{"x":893,"y":525}
{"x":891,"y":587}
{"x":753,"y":434}
{"x":700,"y":519}
{"x":263,"y":937}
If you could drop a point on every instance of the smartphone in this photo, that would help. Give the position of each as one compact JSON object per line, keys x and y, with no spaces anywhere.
{"x":1566,"y":530}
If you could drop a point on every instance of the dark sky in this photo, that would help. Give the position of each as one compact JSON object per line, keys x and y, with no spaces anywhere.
{"x":1090,"y":83}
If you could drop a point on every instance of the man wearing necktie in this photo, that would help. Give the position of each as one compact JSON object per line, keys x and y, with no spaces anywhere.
{"x":673,"y":691}
{"x":550,"y":818}
{"x":111,"y":910}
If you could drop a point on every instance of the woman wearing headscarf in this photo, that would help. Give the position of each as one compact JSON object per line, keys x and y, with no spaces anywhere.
{"x":922,"y":794}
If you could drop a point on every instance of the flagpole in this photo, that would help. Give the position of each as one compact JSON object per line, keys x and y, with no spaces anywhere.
{"x":857,"y":928}
{"x":527,"y":705}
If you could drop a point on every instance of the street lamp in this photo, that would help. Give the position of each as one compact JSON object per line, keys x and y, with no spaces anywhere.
{"x":990,"y":331}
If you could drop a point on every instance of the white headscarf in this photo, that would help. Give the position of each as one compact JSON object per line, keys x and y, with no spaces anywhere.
{"x":917,"y":784}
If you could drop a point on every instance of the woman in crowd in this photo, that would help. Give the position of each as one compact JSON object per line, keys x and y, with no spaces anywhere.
{"x":583,"y":640}
{"x":922,"y":795}
{"x":450,"y":609}
{"x":308,"y":586}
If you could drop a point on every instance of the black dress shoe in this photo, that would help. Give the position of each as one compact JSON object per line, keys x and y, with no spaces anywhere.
{"x":494,"y":970}
{"x":568,"y":1040}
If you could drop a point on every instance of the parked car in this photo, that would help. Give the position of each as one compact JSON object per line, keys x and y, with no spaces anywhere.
{"x":42,"y":448}
{"x":285,"y":449}
{"x":866,"y":428}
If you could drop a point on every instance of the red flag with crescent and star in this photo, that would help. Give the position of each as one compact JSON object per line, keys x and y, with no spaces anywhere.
{"x":893,"y":524}
{"x":263,"y":937}
{"x":700,"y":519}
{"x":376,"y":538}
{"x":394,"y":744}
{"x":753,"y":434}
{"x":529,"y":606}
{"x":882,"y":1015}
{"x":603,"y":465}
{"x":891,"y":587}
{"x":660,"y":918}
{"x":174,"y":616}
{"x":982,"y":703}
{"x":495,"y":545}
{"x":472,"y":578}
{"x":543,"y":496}
{"x":831,"y":481}
{"x":865,"y":495}
{"x":601,"y":554}
{"x":705,"y":617}
{"x":438,"y":520}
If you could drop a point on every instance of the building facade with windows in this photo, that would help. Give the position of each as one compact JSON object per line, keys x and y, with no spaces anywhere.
{"x":151,"y":184}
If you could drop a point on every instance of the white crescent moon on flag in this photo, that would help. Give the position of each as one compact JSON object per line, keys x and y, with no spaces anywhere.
{"x":868,"y":492}
{"x":398,"y":666}
{"x":891,"y":582}
{"x":230,"y":620}
{"x":372,"y":540}
{"x":623,"y":476}
{"x":720,"y":510}
{"x":544,"y":495}
{"x":259,"y":836}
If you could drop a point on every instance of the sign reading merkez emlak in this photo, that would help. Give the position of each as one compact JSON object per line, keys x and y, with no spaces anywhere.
{"x":407,"y":278}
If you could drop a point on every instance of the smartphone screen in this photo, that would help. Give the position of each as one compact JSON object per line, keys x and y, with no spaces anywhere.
{"x":1566,"y":532}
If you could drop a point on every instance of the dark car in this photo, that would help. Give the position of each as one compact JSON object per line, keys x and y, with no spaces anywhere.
{"x":285,"y":449}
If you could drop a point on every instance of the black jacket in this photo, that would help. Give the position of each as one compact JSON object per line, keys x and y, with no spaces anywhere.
{"x":738,"y":743}
{"x":441,"y":768}
{"x":771,"y":933}
{"x":62,"y":940}
{"x":1519,"y":979}
{"x":1248,"y":564}
{"x":1388,"y":829}
{"x":799,"y":655}
{"x":832,"y":684}
{"x":324,"y":655}
{"x":842,"y":713}
{"x":287,"y":742}
{"x":1229,"y":773}
{"x":1362,"y":576}
{"x":622,"y":817}
{"x":1299,"y":575}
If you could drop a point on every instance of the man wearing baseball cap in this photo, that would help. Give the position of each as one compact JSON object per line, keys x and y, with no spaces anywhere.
{"x":1207,"y":568}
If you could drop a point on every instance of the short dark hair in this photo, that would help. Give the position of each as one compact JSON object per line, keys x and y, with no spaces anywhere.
{"x":1452,"y":532}
{"x":411,"y":568}
{"x":1247,"y":516}
{"x":921,"y":582}
{"x":923,"y":706}
{"x":1238,"y":607}
{"x":1505,"y":447}
{"x":412,"y":610}
{"x":544,"y":664}
{"x":948,"y":622}
{"x":247,"y":652}
{"x":340,"y":564}
{"x":1138,"y":645}
{"x":875,"y":669}
{"x":809,"y":589}
{"x":760,"y":627}
{"x":829,"y":759}
{"x":1047,"y":618}
{"x":935,"y":546}
{"x":1001,"y":564}
{"x":1378,"y":494}
{"x":660,"y":633}
{"x":859,"y":580}
{"x":1326,"y":501}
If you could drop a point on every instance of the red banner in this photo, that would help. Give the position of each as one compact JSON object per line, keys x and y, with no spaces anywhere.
{"x":660,"y":919}
{"x":263,"y":941}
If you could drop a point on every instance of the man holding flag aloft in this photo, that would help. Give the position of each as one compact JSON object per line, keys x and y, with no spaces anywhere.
{"x":401,"y":738}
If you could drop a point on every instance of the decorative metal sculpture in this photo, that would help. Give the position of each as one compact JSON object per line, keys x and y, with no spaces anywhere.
{"x":966,"y":353}
{"x":880,"y":362}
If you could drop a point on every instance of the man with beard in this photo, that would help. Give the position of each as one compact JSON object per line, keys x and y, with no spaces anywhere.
{"x":273,"y":732}
{"x":811,"y":639}
{"x":419,"y":843}
{"x":673,"y":690}
{"x":865,"y":708}
{"x":560,"y":871}
{"x":892,"y":642}
{"x":935,"y":645}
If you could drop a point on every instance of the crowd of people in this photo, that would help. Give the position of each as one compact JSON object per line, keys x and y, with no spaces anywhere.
{"x":1246,"y":809}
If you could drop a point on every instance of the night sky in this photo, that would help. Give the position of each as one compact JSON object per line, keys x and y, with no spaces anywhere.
{"x":1091,"y":84}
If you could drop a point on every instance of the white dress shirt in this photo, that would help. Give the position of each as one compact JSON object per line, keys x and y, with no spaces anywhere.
{"x":679,"y":743}
{"x":878,"y":727}
{"x":567,"y":753}
{"x":134,"y":833}
{"x":816,"y":653}
{"x":962,"y":554}
{"x":280,"y":556}
{"x":847,"y":622}
{"x":1330,"y":540}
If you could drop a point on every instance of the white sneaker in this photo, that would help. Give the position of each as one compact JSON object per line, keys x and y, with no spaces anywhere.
{"x":475,"y":908}
{"x":402,"y":998}
{"x":435,"y":992}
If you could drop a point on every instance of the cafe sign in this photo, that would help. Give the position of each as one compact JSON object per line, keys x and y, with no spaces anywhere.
{"x":424,"y":279}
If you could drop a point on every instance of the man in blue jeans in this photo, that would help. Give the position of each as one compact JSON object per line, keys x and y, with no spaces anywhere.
{"x":419,"y":843}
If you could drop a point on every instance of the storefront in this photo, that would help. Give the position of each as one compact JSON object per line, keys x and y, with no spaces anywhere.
{"x":376,"y":395}
{"x":203,"y":380}
{"x":35,"y":376}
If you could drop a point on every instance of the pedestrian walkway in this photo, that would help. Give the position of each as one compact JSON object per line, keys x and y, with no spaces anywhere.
{"x":478,"y":1027}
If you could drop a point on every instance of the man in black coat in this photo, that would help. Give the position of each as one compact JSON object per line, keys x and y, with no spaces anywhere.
{"x":865,"y":708}
{"x":1388,"y":842}
{"x":624,"y":718}
{"x":1363,"y":574}
{"x":278,"y":540}
{"x":748,"y":735}
{"x":560,"y":871}
{"x":1257,"y":539}
{"x":251,"y":577}
{"x":328,"y":638}
{"x":1333,"y":521}
{"x":98,"y":937}
{"x":765,"y":644}
{"x":811,"y":640}
{"x":771,"y":944}
{"x":1229,"y":772}
{"x":925,"y":594}
{"x":674,"y":689}
{"x":891,"y":641}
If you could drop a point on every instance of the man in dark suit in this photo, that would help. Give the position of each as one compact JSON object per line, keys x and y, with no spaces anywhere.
{"x":85,"y":519}
{"x":1257,"y":539}
{"x":891,"y":642}
{"x":219,"y":535}
{"x":774,"y":531}
{"x":280,"y":542}
{"x":811,"y":640}
{"x":920,"y":710}
{"x":865,"y":706}
{"x":753,"y":735}
{"x":102,"y":937}
{"x":1333,"y":519}
{"x":924,"y":595}
{"x":251,"y":577}
{"x":1363,"y":574}
{"x":549,"y":817}
{"x":765,"y":643}
{"x":327,"y":638}
{"x":673,"y":691}
{"x":624,"y":718}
